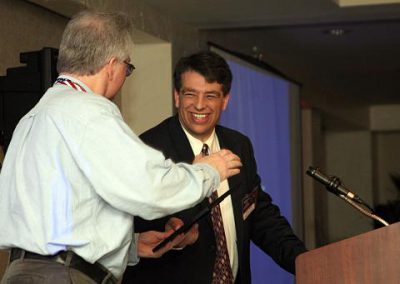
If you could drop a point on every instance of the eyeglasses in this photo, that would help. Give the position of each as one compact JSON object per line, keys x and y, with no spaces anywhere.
{"x":129,"y":68}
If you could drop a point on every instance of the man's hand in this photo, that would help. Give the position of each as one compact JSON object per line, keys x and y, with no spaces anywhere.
{"x":189,"y":238}
{"x":225,"y":162}
{"x":150,"y":239}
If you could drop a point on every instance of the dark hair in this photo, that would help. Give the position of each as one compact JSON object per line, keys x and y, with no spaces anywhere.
{"x":208,"y":64}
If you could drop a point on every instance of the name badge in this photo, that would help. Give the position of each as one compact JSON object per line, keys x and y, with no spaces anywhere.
{"x":249,"y":202}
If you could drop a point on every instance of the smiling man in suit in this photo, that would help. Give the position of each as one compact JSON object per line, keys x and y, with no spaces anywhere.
{"x":202,"y":84}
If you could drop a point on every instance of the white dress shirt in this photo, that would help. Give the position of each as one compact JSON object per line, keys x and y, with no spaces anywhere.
{"x":226,"y":205}
{"x":75,"y":174}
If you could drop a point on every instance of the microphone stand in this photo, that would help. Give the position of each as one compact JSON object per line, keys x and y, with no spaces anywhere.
{"x":334,"y":185}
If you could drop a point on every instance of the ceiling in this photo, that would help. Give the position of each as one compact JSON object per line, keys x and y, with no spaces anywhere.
{"x":294,"y":36}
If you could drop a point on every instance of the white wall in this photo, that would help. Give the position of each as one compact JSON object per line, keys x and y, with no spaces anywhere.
{"x":146,"y":98}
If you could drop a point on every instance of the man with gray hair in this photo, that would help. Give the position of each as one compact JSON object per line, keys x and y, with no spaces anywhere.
{"x":75,"y":174}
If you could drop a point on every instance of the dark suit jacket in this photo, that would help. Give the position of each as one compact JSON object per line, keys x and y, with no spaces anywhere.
{"x":264,"y":226}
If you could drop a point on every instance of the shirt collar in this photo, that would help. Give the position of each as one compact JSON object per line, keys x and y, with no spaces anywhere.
{"x":197,"y":144}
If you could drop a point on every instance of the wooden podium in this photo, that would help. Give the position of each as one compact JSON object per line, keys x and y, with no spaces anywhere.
{"x":373,"y":257}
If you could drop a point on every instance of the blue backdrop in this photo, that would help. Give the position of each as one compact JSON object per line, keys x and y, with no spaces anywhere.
{"x":259,"y":108}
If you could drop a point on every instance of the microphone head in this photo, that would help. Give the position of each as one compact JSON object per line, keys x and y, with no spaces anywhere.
{"x":329,"y":182}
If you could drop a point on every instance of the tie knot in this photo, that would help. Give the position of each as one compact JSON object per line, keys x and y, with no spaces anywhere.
{"x":205,"y":150}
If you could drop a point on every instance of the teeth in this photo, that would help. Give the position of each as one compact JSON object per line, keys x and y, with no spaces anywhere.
{"x":199,"y":116}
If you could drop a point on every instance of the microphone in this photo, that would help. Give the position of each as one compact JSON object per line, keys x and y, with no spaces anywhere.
{"x":333,"y":184}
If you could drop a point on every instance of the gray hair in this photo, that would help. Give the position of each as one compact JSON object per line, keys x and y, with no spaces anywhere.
{"x":91,"y":39}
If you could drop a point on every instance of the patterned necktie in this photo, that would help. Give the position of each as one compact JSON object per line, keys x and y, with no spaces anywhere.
{"x":222,"y":273}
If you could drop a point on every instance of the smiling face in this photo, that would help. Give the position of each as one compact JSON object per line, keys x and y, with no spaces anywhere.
{"x":199,"y":104}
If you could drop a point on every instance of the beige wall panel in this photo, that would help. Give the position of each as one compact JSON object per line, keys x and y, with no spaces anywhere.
{"x":146,"y":97}
{"x":26,"y":27}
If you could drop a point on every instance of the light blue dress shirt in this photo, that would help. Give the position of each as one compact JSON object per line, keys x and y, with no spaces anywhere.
{"x":75,"y":175}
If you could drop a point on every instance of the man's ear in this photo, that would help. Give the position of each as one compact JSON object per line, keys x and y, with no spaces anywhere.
{"x":226,"y":100}
{"x":110,"y":68}
{"x":176,"y":98}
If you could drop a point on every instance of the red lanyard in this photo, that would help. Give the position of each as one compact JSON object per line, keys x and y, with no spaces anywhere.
{"x":68,"y":82}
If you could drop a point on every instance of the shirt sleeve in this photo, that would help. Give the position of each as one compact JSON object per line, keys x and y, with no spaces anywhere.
{"x":133,"y":257}
{"x":135,"y":178}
